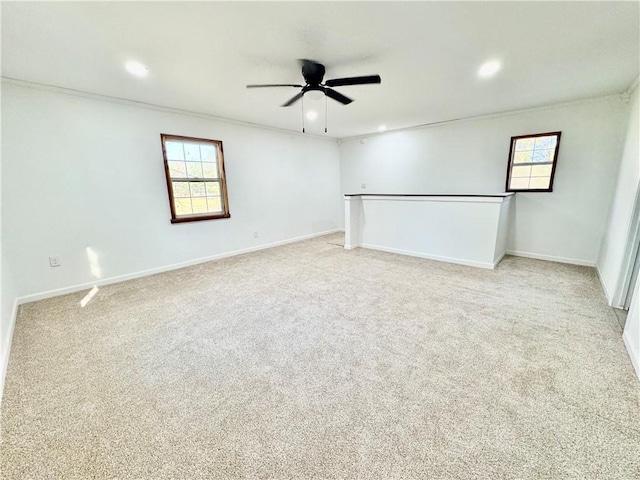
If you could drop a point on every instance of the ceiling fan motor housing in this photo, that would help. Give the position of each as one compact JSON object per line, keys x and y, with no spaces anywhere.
{"x":313,"y":72}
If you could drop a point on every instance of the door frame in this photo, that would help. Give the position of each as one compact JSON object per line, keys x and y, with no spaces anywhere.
{"x":629,"y":258}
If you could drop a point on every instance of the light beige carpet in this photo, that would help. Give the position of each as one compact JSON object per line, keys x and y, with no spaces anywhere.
{"x":309,"y":361}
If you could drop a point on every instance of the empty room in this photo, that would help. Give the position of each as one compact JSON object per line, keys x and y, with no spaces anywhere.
{"x":320,"y":240}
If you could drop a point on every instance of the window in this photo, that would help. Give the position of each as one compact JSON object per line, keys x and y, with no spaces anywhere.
{"x":532,"y":162}
{"x":195,"y":178}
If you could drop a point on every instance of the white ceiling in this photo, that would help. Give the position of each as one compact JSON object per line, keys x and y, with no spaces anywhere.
{"x":201,"y":55}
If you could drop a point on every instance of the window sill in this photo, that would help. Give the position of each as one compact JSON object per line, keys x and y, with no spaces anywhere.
{"x":544,"y":190}
{"x":197,"y":218}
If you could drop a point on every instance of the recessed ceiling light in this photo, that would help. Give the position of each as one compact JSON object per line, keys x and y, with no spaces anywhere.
{"x":382,"y":128}
{"x":137,"y":69}
{"x":312,"y":115}
{"x":489,"y":68}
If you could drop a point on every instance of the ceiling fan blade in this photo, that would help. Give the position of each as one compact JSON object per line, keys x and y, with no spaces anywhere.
{"x":340,"y":82}
{"x":337,"y":96}
{"x":293,"y":100}
{"x":274,"y":85}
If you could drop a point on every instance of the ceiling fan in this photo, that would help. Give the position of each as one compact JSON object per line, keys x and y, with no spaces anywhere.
{"x":313,"y":73}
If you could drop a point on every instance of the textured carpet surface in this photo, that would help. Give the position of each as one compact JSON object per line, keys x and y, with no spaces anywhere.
{"x":310,"y":361}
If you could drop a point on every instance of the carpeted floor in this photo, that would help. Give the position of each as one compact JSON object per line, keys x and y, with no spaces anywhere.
{"x":310,"y":361}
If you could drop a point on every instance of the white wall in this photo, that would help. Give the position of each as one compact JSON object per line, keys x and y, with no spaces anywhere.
{"x":614,"y":240}
{"x":83,"y":173}
{"x":463,"y":230}
{"x":471,"y":157}
{"x":615,"y":259}
{"x":632,"y":330}
{"x":7,"y":303}
{"x":7,"y":316}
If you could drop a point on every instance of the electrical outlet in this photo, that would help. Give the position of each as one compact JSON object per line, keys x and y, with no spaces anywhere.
{"x":363,"y":186}
{"x":54,"y":261}
{"x":255,"y":234}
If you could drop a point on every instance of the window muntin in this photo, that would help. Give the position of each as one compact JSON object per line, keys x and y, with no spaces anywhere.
{"x":532,"y":162}
{"x":194,"y":169}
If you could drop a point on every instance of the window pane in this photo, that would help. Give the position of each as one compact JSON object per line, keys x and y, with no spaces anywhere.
{"x":194,"y":170}
{"x":521,"y":171}
{"x":539,"y":182}
{"x":214,"y":204}
{"x":194,"y":167}
{"x":524,"y":144}
{"x":210,"y":170}
{"x":191,"y":152}
{"x":182,"y":206}
{"x":213,"y":189}
{"x":522,"y":157}
{"x":199,"y":205}
{"x":519,"y":183}
{"x":208,"y":153}
{"x":532,"y":162}
{"x":543,"y":155}
{"x":197,"y":189}
{"x":541,"y":171}
{"x":174,"y":150}
{"x":180,"y":189}
{"x":546,"y":142}
{"x":177,"y":170}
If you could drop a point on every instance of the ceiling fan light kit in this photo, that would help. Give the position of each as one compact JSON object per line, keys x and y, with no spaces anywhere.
{"x":313,"y":74}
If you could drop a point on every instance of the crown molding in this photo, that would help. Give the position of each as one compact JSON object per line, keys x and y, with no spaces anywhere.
{"x":504,"y":113}
{"x":623,"y":96}
{"x":626,"y":95}
{"x":151,"y":106}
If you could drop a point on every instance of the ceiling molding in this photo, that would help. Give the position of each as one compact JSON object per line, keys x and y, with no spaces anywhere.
{"x":505,"y":113}
{"x":626,"y":95}
{"x":151,"y":106}
{"x":622,"y":96}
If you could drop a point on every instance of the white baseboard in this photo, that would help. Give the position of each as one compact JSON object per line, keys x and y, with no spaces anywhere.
{"x":634,"y":354}
{"x":6,"y":348}
{"x":152,"y":271}
{"x":552,"y":258}
{"x":607,"y":295}
{"x":459,"y":261}
{"x":499,"y":259}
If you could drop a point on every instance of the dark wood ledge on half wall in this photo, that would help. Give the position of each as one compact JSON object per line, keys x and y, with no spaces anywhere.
{"x":496,"y":195}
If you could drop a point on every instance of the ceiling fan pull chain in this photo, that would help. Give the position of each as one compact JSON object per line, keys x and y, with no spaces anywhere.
{"x":303,"y":115}
{"x":325,"y":114}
